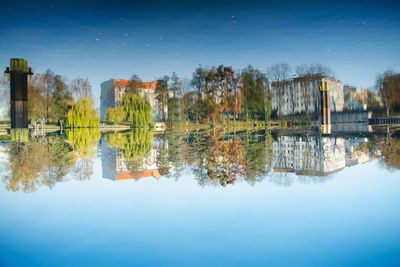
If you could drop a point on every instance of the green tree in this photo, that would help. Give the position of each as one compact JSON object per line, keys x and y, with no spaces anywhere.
{"x":83,"y":141}
{"x":61,"y":99}
{"x":83,"y":114}
{"x":137,"y":110}
{"x":254,"y":92}
{"x":162,"y":95}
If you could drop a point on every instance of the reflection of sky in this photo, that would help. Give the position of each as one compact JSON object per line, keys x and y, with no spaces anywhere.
{"x":351,"y":220}
{"x":105,"y":39}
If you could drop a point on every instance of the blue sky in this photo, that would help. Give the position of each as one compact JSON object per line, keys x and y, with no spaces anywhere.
{"x":107,"y":39}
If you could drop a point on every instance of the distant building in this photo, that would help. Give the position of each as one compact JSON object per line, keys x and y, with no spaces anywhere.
{"x":301,"y":95}
{"x":355,"y":98}
{"x":113,"y":90}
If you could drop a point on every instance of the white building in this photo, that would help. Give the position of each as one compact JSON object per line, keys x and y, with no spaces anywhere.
{"x":114,"y":165}
{"x":301,"y":95}
{"x":113,"y":90}
{"x":312,"y":156}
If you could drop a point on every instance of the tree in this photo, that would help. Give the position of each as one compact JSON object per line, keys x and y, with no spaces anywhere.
{"x":279,"y":74}
{"x":116,"y":114}
{"x":199,"y":82}
{"x":174,"y":112}
{"x":390,"y":150}
{"x":48,"y":79}
{"x":61,"y":99}
{"x":162,"y":95}
{"x":137,"y":110}
{"x":175,"y":85}
{"x":254,"y":92}
{"x":135,"y":83}
{"x":388,"y":84}
{"x":83,"y":140}
{"x":38,"y":163}
{"x":81,"y":87}
{"x":37,"y":95}
{"x":83,"y":114}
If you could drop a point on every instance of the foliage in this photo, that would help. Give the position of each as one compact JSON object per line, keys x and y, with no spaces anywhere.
{"x":174,"y":112}
{"x":83,"y":114}
{"x":132,"y":109}
{"x":258,"y":157}
{"x":37,"y":164}
{"x":135,"y":145}
{"x":254,"y":92}
{"x":390,"y":150}
{"x":162,"y":95}
{"x":37,"y":97}
{"x":61,"y":99}
{"x":116,"y":114}
{"x":136,"y":110}
{"x":83,"y":140}
{"x":388,"y":84}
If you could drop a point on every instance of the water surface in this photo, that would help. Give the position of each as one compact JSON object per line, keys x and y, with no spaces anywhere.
{"x":205,"y":199}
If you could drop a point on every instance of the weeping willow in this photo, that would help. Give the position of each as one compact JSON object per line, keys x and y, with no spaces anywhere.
{"x":132,"y":109}
{"x":135,"y":145}
{"x":83,"y":141}
{"x":83,"y":114}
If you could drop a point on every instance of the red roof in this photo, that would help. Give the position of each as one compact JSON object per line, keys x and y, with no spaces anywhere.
{"x":143,"y":174}
{"x":145,"y":85}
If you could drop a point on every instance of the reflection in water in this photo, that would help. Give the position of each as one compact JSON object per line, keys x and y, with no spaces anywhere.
{"x":84,"y":142}
{"x":129,"y":155}
{"x":390,"y":150}
{"x":38,"y":163}
{"x":214,"y":158}
{"x":314,"y":157}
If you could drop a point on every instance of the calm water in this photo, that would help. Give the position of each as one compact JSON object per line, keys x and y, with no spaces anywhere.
{"x":205,"y":199}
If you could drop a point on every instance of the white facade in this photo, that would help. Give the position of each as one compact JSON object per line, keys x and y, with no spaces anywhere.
{"x":113,"y":90}
{"x":302,"y":95}
{"x":311,"y":155}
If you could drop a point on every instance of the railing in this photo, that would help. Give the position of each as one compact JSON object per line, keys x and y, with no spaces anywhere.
{"x":384,"y":121}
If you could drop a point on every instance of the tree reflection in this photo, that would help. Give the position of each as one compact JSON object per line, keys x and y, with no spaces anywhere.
{"x":258,"y":154}
{"x":38,"y":163}
{"x":135,"y":147}
{"x":84,"y":142}
{"x":224,"y":161}
{"x":390,"y":150}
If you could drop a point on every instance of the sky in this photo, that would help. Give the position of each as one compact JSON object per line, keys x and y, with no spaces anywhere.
{"x":114,"y":39}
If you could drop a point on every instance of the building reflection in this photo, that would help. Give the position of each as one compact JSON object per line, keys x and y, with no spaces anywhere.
{"x":129,"y":156}
{"x":308,"y":155}
{"x":212,"y":158}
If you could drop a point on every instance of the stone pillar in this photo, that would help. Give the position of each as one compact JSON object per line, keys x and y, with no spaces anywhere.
{"x":19,"y":72}
{"x":325,"y":107}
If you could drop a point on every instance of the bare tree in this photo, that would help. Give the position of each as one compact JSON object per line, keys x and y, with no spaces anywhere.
{"x":81,"y":88}
{"x":305,"y":83}
{"x":388,"y":85}
{"x":279,"y":75}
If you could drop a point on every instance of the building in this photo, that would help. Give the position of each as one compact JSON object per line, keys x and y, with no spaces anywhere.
{"x":311,"y":156}
{"x":355,"y":98}
{"x":301,"y":95}
{"x":115,"y":166}
{"x":113,"y":90}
